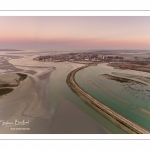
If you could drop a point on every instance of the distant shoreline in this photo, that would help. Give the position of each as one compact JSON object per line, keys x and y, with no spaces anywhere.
{"x":110,"y":114}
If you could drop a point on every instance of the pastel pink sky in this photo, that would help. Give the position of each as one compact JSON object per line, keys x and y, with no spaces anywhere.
{"x":75,"y":33}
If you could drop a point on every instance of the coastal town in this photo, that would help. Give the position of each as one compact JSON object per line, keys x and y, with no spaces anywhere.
{"x":85,"y":57}
{"x":114,"y":59}
{"x":94,"y":57}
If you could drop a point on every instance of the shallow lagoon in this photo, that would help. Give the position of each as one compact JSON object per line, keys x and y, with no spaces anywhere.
{"x":130,"y":102}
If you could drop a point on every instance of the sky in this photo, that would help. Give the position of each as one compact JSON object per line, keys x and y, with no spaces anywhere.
{"x":75,"y":33}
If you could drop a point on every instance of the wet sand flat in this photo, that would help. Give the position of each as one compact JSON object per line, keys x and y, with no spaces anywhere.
{"x":69,"y":119}
{"x":27,"y":102}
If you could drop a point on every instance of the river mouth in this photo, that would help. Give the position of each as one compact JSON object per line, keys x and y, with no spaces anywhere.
{"x":45,"y":96}
{"x":40,"y":101}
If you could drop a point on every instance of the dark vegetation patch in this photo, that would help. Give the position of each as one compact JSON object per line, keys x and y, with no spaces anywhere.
{"x":5,"y":91}
{"x":22,"y":76}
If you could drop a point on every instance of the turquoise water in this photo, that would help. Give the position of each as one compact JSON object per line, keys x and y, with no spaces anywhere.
{"x":126,"y":99}
{"x":59,"y":91}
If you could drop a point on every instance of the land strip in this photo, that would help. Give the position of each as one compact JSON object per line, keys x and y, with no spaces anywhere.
{"x":138,"y":66}
{"x":8,"y":82}
{"x":113,"y":116}
{"x":142,"y":78}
